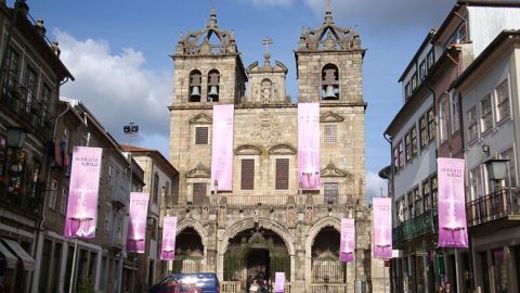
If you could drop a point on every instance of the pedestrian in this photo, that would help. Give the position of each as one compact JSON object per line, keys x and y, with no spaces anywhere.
{"x":446,"y":288}
{"x":254,"y":287}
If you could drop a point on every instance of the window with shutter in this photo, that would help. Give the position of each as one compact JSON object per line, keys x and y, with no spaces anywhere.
{"x":248,"y":174}
{"x":199,"y":192}
{"x":330,"y":192}
{"x":201,"y":135}
{"x":282,"y":174}
{"x":330,"y":136}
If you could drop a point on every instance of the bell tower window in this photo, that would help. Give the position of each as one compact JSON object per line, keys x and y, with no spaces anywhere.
{"x":213,"y":85}
{"x":195,"y":81}
{"x":330,"y":82}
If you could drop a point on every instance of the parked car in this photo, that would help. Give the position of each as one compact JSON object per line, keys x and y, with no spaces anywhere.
{"x":188,"y":283}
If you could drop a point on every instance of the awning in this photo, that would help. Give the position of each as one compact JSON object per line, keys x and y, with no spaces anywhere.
{"x":10,"y":259}
{"x":27,"y":260}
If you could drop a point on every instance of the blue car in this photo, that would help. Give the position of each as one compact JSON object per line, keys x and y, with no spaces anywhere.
{"x":188,"y":283}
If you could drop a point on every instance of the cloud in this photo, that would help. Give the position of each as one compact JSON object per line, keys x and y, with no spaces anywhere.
{"x":271,"y":2}
{"x":116,"y":88}
{"x":375,"y":186}
{"x":388,"y":13}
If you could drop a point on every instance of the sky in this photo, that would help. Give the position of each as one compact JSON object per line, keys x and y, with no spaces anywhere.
{"x":118,"y":51}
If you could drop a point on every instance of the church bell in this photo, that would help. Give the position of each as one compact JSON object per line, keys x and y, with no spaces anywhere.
{"x":329,"y":93}
{"x":213,"y":91}
{"x":195,"y":92}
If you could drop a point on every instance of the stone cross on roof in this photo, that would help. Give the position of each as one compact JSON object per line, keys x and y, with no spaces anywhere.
{"x":328,"y":5}
{"x":267,"y":42}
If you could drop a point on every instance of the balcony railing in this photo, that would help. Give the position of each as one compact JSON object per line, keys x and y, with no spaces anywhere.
{"x":26,"y":202}
{"x":278,"y":199}
{"x":494,"y":206}
{"x":416,"y":227}
{"x":26,"y":108}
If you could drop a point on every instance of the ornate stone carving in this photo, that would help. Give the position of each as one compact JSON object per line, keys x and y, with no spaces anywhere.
{"x":201,"y":119}
{"x":266,"y":128}
{"x":200,"y":171}
{"x":248,"y":149}
{"x":332,"y":171}
{"x":331,"y":117}
{"x":282,"y":149}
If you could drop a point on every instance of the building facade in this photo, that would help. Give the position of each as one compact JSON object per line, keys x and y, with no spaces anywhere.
{"x":161,"y":183}
{"x":433,"y":123}
{"x":268,"y":223}
{"x":31,"y":74}
{"x":490,"y":110}
{"x":98,"y":262}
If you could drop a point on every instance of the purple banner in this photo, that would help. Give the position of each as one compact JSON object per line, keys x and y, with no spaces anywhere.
{"x":309,"y":145}
{"x":168,"y":239}
{"x":137,"y":222}
{"x":347,"y":243}
{"x":222,"y":148}
{"x":382,"y":227}
{"x":279,"y":282}
{"x":453,"y":230}
{"x":83,"y":193}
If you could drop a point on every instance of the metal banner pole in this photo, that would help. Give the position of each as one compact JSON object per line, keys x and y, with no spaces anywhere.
{"x":71,"y":284}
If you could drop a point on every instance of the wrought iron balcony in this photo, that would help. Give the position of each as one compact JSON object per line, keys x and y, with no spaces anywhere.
{"x":26,"y":200}
{"x":21,"y":103}
{"x":503,"y":204}
{"x":416,"y":227}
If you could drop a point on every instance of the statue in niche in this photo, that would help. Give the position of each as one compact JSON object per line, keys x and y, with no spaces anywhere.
{"x":291,"y":217}
{"x":308,"y":215}
{"x":266,"y":90}
{"x":222,"y":214}
{"x":205,"y":213}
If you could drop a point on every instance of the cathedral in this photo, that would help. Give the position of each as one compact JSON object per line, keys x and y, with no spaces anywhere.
{"x":265,"y":221}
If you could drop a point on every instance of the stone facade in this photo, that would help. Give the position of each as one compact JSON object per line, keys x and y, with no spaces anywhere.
{"x":305,"y":224}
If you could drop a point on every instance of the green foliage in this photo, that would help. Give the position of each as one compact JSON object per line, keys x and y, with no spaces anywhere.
{"x":85,"y":285}
{"x":235,"y":258}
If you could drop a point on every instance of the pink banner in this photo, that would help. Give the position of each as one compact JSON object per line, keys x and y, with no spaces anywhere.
{"x":137,"y":222}
{"x":453,"y":230}
{"x":309,"y":145}
{"x":382,"y":227}
{"x":279,"y":282}
{"x":168,"y":239}
{"x":347,"y":240}
{"x":222,"y":148}
{"x":83,"y":193}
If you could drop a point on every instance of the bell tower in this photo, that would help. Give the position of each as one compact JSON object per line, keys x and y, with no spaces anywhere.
{"x":329,"y":63}
{"x":208,"y":67}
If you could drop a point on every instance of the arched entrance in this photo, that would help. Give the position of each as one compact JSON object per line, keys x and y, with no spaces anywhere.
{"x":189,"y":252}
{"x":325,"y":264}
{"x":256,"y":253}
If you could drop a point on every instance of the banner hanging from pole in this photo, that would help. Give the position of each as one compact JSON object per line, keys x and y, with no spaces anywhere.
{"x":309,"y":146}
{"x":347,"y":240}
{"x":279,"y":282}
{"x":453,"y":229}
{"x":222,"y":148}
{"x":81,"y":218}
{"x":168,"y":239}
{"x":382,"y":227}
{"x":137,"y":222}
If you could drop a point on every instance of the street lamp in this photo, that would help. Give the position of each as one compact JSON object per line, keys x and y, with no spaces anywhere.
{"x":15,"y":137}
{"x":497,"y":170}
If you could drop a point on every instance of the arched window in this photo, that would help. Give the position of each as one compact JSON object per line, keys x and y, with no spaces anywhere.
{"x":330,"y":82}
{"x":195,"y":81}
{"x":213,"y":85}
